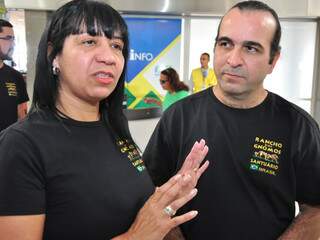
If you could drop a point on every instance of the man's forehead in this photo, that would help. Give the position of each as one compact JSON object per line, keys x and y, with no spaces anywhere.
{"x":248,"y":25}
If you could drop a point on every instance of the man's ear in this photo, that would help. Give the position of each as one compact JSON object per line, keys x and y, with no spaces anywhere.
{"x":274,"y":61}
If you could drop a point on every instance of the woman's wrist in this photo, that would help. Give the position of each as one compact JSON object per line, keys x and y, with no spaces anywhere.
{"x":124,"y":236}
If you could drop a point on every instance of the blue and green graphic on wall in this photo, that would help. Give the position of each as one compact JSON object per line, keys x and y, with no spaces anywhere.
{"x":154,"y":45}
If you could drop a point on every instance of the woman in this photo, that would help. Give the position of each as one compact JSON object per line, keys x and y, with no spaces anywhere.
{"x":70,"y":170}
{"x":169,"y":80}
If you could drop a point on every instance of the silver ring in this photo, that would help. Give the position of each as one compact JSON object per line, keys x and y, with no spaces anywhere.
{"x":168,"y":210}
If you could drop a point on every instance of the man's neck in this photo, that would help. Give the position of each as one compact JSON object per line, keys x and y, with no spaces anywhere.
{"x":241,"y":101}
{"x":205,"y":67}
{"x":1,"y":63}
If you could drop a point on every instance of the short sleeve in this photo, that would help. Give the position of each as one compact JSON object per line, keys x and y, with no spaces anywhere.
{"x":159,"y":155}
{"x":307,"y":157}
{"x":22,"y":89}
{"x":22,"y":184}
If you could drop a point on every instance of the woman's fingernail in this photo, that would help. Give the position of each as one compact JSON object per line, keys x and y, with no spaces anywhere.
{"x":193,"y":213}
{"x":193,"y":192}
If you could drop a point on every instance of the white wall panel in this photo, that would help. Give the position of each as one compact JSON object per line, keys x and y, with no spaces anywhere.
{"x":202,"y":34}
{"x":292,"y":78}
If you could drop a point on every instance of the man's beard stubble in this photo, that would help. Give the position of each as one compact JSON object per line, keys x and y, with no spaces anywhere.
{"x":6,"y":56}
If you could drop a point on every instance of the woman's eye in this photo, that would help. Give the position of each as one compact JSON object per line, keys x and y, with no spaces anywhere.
{"x":117,"y":46}
{"x":89,"y":42}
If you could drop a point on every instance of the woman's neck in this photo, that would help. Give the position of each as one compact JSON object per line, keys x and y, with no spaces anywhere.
{"x":78,"y":110}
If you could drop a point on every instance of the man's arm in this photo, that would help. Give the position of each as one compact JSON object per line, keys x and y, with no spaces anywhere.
{"x":305,"y":226}
{"x":22,"y":110}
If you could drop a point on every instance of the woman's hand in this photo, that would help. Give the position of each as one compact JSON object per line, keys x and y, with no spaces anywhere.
{"x":192,"y":163}
{"x":156,"y":218}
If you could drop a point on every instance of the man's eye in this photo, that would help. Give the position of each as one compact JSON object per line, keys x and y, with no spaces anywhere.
{"x":224,"y":44}
{"x":251,"y":49}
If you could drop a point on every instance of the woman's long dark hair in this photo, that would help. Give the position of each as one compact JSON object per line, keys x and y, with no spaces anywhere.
{"x":76,"y":17}
{"x":174,"y":80}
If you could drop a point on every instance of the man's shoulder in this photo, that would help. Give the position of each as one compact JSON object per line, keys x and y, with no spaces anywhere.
{"x":10,"y":70}
{"x":286,"y":107}
{"x":190,"y":104}
{"x":196,"y":69}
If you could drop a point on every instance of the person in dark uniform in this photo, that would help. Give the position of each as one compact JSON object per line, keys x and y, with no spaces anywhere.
{"x":13,"y":92}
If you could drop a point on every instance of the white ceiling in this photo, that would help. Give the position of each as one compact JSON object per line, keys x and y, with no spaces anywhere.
{"x":285,"y":8}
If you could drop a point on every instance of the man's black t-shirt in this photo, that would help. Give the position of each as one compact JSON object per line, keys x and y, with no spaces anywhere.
{"x":263,"y":159}
{"x":74,"y":173}
{"x":12,"y":92}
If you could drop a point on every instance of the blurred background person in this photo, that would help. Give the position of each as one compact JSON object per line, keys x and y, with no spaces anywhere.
{"x":202,"y":77}
{"x":176,"y":89}
{"x":13,"y":92}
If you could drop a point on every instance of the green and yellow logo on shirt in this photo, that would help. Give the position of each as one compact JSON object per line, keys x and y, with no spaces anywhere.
{"x":266,"y":155}
{"x":128,"y":148}
{"x":12,"y":89}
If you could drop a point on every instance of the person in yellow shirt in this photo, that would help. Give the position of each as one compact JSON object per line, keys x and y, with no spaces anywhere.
{"x":203,"y":77}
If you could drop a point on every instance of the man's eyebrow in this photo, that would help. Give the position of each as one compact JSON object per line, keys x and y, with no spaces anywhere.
{"x":224,"y":39}
{"x":253,"y":44}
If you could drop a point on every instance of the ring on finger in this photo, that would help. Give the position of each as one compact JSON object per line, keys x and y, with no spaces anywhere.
{"x":169,"y":211}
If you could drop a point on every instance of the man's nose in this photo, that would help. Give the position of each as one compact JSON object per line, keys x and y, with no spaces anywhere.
{"x":235,"y":57}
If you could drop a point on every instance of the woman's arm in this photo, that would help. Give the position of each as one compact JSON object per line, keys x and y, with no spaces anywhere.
{"x":26,"y":227}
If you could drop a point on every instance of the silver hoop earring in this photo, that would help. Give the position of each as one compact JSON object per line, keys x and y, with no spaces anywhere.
{"x":55,"y":70}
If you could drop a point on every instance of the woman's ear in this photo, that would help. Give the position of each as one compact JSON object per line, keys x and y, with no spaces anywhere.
{"x":55,"y":66}
{"x":49,"y":49}
{"x":55,"y":62}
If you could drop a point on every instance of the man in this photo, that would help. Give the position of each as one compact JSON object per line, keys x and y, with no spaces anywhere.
{"x":203,"y":77}
{"x":13,"y":93}
{"x":265,"y":151}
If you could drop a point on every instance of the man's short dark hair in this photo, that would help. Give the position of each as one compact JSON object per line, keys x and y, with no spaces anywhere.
{"x":4,"y":23}
{"x":260,"y":6}
{"x":207,"y":54}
